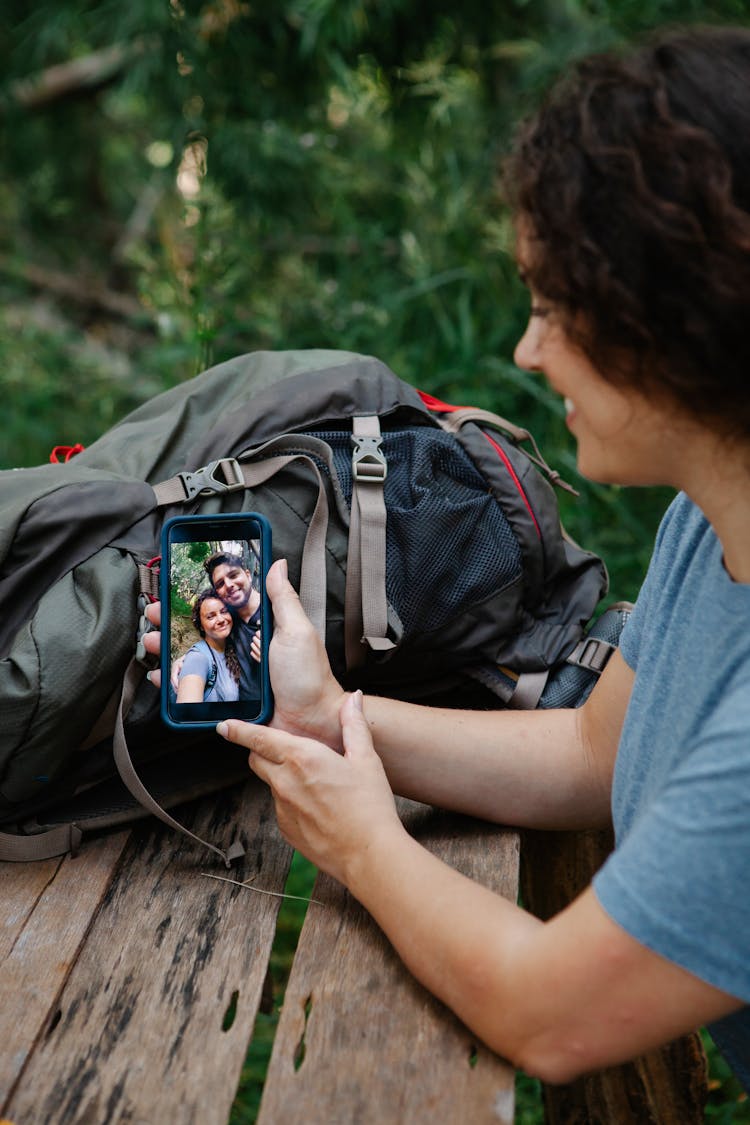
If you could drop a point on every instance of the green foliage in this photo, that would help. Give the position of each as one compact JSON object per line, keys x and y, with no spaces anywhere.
{"x":306,"y":175}
{"x":300,"y":881}
{"x":234,"y":176}
{"x":728,"y":1104}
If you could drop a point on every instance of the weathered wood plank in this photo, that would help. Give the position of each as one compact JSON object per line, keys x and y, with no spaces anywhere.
{"x":171,"y":959}
{"x":664,"y":1087}
{"x":359,"y":1039}
{"x":47,"y":908}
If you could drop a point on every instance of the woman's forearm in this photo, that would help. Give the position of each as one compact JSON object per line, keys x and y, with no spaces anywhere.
{"x":522,"y":768}
{"x":536,"y":769}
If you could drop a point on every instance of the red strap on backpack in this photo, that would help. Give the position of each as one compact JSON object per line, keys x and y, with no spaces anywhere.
{"x":63,"y":453}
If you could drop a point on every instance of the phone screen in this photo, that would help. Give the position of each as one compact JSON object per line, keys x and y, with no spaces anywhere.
{"x":215,"y":619}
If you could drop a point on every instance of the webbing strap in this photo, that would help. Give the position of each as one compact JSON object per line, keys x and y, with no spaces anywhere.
{"x":365,"y":601}
{"x":312,"y":585}
{"x":592,"y":653}
{"x":40,"y":845}
{"x":457,"y":418}
{"x":127,"y":772}
{"x":148,"y":579}
{"x":528,"y":691}
{"x":286,"y":449}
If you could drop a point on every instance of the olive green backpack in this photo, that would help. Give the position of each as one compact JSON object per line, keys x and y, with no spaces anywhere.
{"x":424,"y":539}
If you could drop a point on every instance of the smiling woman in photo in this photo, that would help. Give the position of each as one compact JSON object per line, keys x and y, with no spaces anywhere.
{"x":210,"y":671}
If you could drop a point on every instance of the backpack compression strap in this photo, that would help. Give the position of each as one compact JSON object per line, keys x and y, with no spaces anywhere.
{"x":459,"y":416}
{"x":41,"y":845}
{"x":133,"y":677}
{"x":366,"y":606}
{"x":267,"y":460}
{"x":365,"y":601}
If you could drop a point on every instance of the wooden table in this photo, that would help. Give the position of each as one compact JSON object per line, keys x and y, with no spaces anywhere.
{"x":130,"y":985}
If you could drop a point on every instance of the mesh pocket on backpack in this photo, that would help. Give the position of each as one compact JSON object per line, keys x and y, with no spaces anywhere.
{"x":449,"y":544}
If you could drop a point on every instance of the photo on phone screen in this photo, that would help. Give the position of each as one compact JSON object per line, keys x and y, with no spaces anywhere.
{"x":217,"y":619}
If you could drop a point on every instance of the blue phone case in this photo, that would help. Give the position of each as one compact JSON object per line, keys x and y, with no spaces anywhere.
{"x":197,"y":529}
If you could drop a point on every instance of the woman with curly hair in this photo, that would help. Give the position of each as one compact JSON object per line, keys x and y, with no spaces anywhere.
{"x":631,"y":190}
{"x":210,"y":670}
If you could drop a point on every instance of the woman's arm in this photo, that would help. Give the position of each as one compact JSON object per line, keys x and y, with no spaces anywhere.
{"x":549,"y":769}
{"x":536,"y":769}
{"x":557,"y":998}
{"x":543,"y":769}
{"x":190,"y":689}
{"x":191,"y":685}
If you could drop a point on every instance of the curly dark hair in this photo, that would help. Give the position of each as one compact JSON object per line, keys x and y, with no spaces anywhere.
{"x":230,"y":650}
{"x":633,"y":184}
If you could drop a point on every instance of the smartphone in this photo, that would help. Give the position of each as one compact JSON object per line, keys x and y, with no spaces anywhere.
{"x":216,"y":619}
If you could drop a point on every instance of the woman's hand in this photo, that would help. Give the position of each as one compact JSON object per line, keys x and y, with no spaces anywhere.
{"x":334,"y":808}
{"x":307,"y":697}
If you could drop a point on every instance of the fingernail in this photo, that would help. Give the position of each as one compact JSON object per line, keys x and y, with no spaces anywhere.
{"x":357,"y":700}
{"x":284,"y":568}
{"x":148,"y":677}
{"x":222,"y":728}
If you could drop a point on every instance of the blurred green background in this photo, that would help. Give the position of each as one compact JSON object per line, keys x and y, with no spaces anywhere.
{"x":185,"y":180}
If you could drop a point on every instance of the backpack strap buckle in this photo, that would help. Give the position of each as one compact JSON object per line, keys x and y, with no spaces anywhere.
{"x":224,"y":475}
{"x":592,"y":653}
{"x":368,"y":461}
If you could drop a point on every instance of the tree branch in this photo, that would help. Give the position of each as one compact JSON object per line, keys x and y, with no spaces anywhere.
{"x":89,"y":293}
{"x":85,"y":75}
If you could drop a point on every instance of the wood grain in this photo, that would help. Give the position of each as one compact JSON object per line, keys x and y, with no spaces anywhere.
{"x":172,"y":958}
{"x":46,"y":912}
{"x":359,"y":1040}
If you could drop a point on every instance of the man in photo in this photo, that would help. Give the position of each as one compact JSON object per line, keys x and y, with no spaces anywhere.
{"x":233,"y":583}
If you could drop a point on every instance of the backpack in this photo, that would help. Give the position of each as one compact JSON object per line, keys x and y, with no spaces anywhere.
{"x":424,"y":538}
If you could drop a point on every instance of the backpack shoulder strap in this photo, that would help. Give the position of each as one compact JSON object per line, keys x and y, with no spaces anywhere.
{"x":453,"y":421}
{"x":213,"y":672}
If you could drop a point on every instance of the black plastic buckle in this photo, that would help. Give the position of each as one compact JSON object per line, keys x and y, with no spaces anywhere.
{"x":368,"y":462}
{"x":204,"y":482}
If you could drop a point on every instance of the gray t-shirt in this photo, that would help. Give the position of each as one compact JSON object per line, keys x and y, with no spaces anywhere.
{"x":199,"y":662}
{"x":677,"y":880}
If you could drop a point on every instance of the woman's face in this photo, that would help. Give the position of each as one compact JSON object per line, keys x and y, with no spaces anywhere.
{"x":622,"y":437}
{"x":216,"y":620}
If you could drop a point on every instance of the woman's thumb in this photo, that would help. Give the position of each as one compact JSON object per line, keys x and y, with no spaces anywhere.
{"x":354,"y":729}
{"x":287,"y":608}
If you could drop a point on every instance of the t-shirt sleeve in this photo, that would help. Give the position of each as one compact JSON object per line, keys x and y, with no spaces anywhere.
{"x":673,"y":881}
{"x":196,"y":663}
{"x":632,"y":632}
